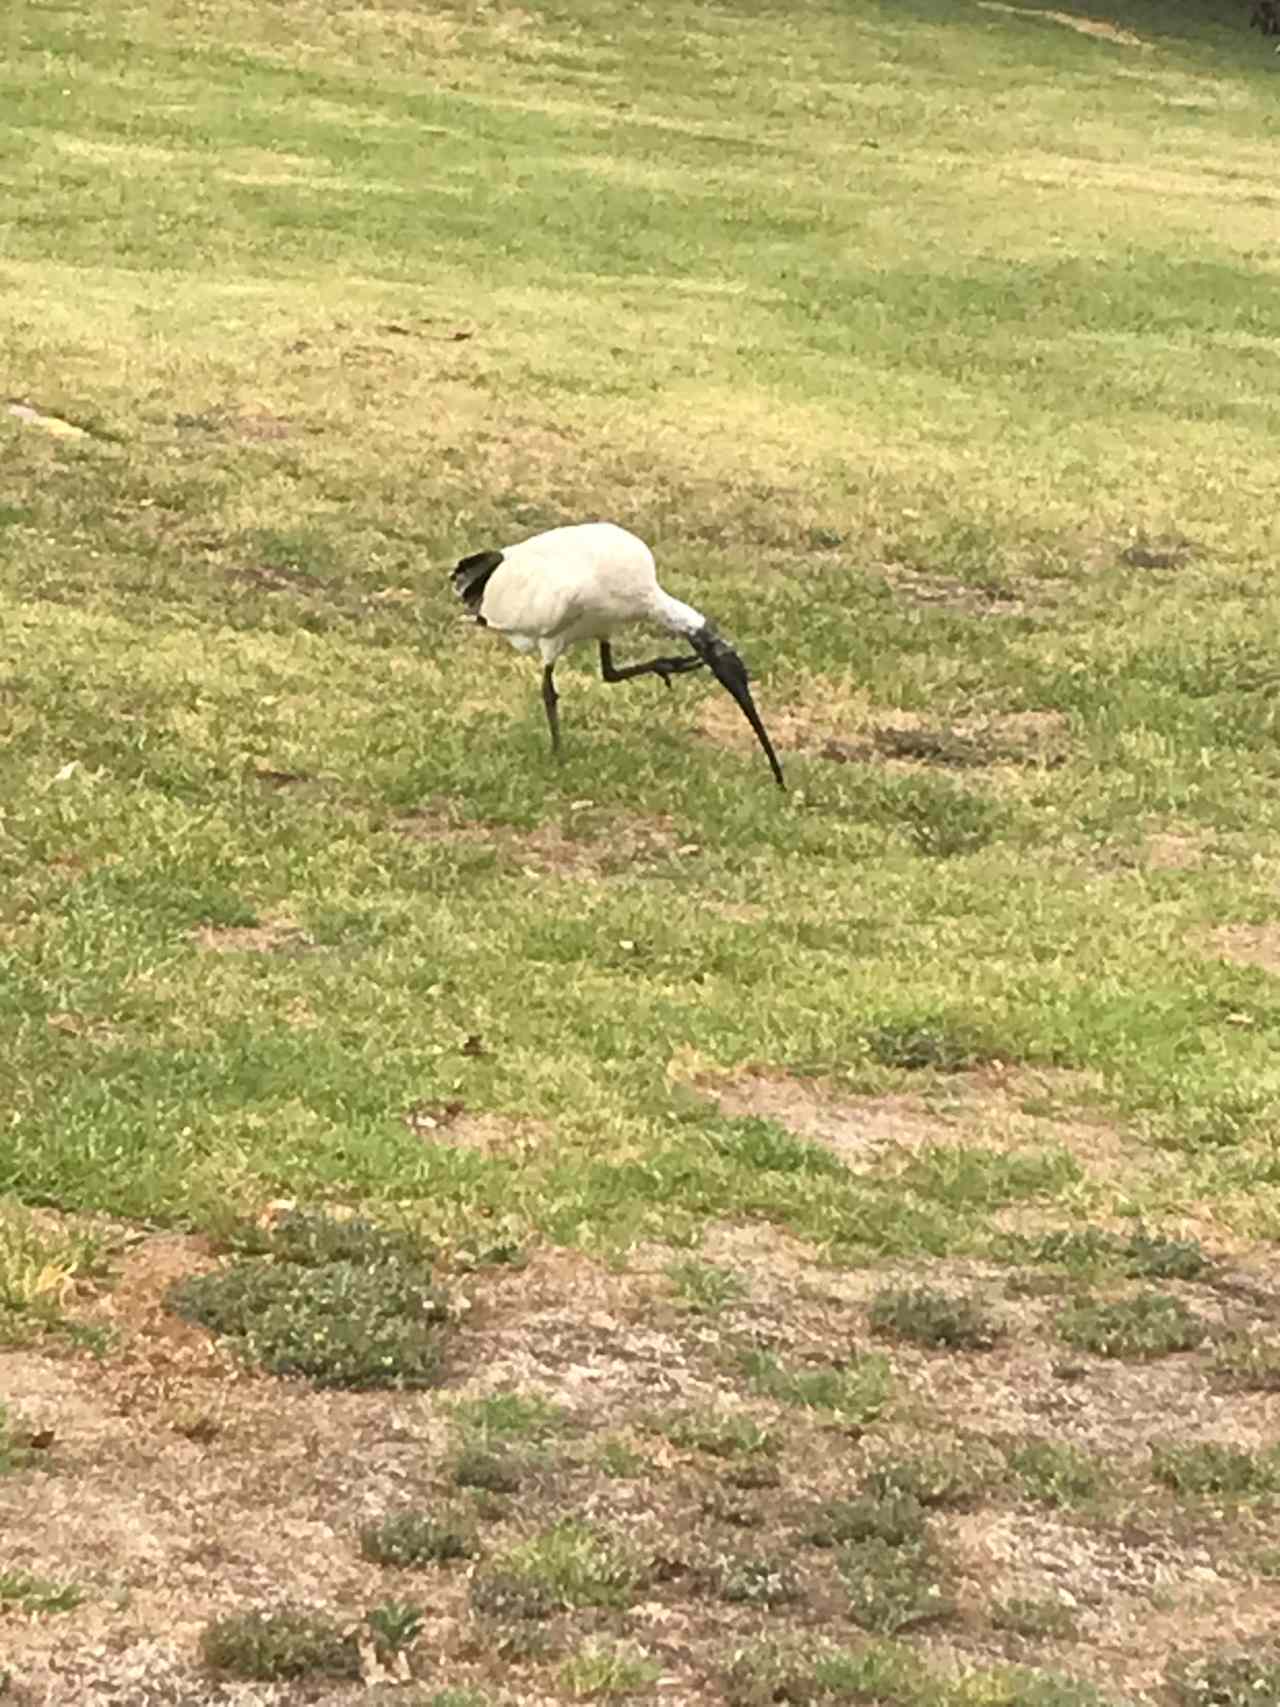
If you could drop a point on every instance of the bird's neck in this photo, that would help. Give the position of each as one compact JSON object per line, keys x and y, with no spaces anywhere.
{"x":678,"y":617}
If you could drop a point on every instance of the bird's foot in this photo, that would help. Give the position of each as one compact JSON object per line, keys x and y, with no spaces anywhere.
{"x":668,"y":667}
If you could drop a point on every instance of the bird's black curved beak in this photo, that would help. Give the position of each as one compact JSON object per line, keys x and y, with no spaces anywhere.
{"x":729,"y":670}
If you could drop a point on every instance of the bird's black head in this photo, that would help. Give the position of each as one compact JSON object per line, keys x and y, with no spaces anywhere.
{"x":729,"y":670}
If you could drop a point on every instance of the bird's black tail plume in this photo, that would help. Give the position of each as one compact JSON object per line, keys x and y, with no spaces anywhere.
{"x":471,"y":576}
{"x":731,"y":673}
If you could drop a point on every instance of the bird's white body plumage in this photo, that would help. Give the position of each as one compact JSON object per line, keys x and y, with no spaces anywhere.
{"x":578,"y":583}
{"x":547,"y":593}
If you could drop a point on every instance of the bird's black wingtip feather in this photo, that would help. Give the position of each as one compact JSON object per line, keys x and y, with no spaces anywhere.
{"x":472,"y":574}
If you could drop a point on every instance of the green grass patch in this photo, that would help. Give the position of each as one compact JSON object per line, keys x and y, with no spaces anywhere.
{"x":503,"y":1417}
{"x":1247,"y":1363}
{"x":706,"y":1288}
{"x":1247,"y":1675}
{"x":1034,"y":1620}
{"x":16,"y":1450}
{"x":855,"y":1394}
{"x":394,"y":1625}
{"x":892,"y":1587}
{"x":491,"y":1470}
{"x":1208,"y":1470}
{"x":1087,"y":1253}
{"x":803,"y":1671}
{"x":314,"y":1238}
{"x":24,"y":1591}
{"x":604,"y":1671}
{"x":1018,"y":1686}
{"x":336,"y":1323}
{"x":1054,"y":1473}
{"x":570,"y":1565}
{"x":925,"y":1316}
{"x":953,"y":1479}
{"x":279,"y":1645}
{"x":719,"y":1433}
{"x":410,"y":1538}
{"x":808,"y":1671}
{"x":884,"y":1514}
{"x":620,"y":1461}
{"x":269,"y":810}
{"x":963,"y":1175}
{"x":1150,"y":1324}
{"x":757,"y":1580}
{"x":40,"y":1266}
{"x":1152,"y":1256}
{"x":945,"y":1045}
{"x":943,"y":820}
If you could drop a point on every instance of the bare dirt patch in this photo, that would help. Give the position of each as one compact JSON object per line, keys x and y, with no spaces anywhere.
{"x":1171,"y":850}
{"x":1245,"y":945}
{"x":986,"y":1105}
{"x":166,"y":1525}
{"x":792,"y":729}
{"x":925,"y":586}
{"x":1033,"y":1385}
{"x":860,"y":1130}
{"x":270,"y":777}
{"x":1175,"y":847}
{"x":134,"y":1305}
{"x":53,"y":424}
{"x":274,"y":578}
{"x":572,"y":1331}
{"x":897,"y":740}
{"x":275,"y":936}
{"x":1133,"y":1603}
{"x":263,"y":426}
{"x":739,"y":912}
{"x":586,"y":845}
{"x":489,"y":1134}
{"x":905,"y":739}
{"x":1096,"y":27}
{"x":1163,"y":551}
{"x":82,"y":1026}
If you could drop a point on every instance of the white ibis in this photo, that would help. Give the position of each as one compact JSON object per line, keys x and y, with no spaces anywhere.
{"x":583,"y":583}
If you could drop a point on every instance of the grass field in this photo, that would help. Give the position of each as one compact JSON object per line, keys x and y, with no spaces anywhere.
{"x":933,"y":346}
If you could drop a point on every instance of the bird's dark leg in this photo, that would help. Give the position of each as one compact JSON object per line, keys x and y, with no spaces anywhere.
{"x":550,"y":698}
{"x":663,"y":667}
